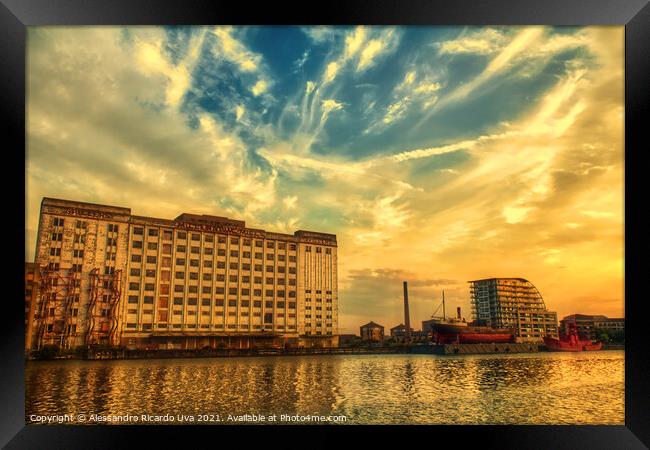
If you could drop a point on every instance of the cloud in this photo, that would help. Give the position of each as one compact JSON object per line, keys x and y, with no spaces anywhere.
{"x":536,"y":193}
{"x":483,"y":42}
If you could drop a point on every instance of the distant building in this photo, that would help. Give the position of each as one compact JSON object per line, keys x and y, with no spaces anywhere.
{"x":372,"y":332}
{"x":588,"y":324}
{"x":347,"y":340}
{"x":399,"y":331}
{"x":512,"y":303}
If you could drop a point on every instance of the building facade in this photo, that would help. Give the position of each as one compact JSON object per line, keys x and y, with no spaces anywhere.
{"x":372,"y":332}
{"x":512,"y":303}
{"x":109,"y":277}
{"x":587,"y":325}
{"x":31,"y":290}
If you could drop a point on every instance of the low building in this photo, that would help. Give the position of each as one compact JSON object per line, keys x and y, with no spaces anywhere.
{"x":348,"y":340}
{"x":399,"y":331}
{"x":587,"y":325}
{"x":372,"y":332}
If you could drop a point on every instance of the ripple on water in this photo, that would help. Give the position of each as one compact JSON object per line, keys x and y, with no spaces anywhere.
{"x":543,"y":388}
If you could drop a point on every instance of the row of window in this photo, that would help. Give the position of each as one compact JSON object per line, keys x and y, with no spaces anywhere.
{"x":167,"y":235}
{"x":193,"y":301}
{"x":179,"y":288}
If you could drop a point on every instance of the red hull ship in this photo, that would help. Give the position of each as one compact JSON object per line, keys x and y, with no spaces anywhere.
{"x":446,"y":333}
{"x":571,"y":342}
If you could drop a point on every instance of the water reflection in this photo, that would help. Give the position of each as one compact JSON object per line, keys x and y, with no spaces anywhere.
{"x":499,"y":389}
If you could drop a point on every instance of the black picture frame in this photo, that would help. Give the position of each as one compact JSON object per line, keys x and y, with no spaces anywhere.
{"x":16,"y":15}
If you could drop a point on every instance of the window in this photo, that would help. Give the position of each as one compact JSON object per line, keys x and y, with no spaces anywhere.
{"x":282,"y":246}
{"x":222,"y":240}
{"x":232,"y":302}
{"x":150,"y":273}
{"x":308,"y":248}
{"x":181,"y":235}
{"x":257,"y":292}
{"x":152,"y":246}
{"x":232,"y":291}
{"x":167,"y":235}
{"x":207,"y":250}
{"x":136,"y":258}
{"x":258,"y":244}
{"x":246,"y":266}
{"x":292,"y":258}
{"x":234,"y":241}
{"x":179,"y":288}
{"x":258,"y":255}
{"x":207,"y":277}
{"x":268,"y":318}
{"x":178,"y":300}
{"x":195,"y":250}
{"x":269,"y":256}
{"x":112,"y":228}
{"x":133,"y":299}
{"x":57,"y":236}
{"x":280,"y":293}
{"x":151,"y":259}
{"x":208,"y":238}
{"x":111,"y":242}
{"x":292,"y":305}
{"x":167,"y":249}
{"x":206,"y":289}
{"x":58,"y":222}
{"x":246,"y":254}
{"x":234,"y":265}
{"x":153,"y":232}
{"x":180,"y":261}
{"x":221,"y":264}
{"x":234,"y":253}
{"x":180,"y":248}
{"x":148,"y":300}
{"x":328,"y":251}
{"x":281,"y":269}
{"x":269,"y":292}
{"x":270,"y":244}
{"x":56,"y":251}
{"x":257,"y":304}
{"x":245,"y":279}
{"x":258,"y":267}
{"x":233,"y":278}
{"x":205,"y":302}
{"x":218,"y":302}
{"x":193,"y":289}
{"x":191,"y":301}
{"x":196,"y":237}
{"x":194,"y":262}
{"x":292,"y":247}
{"x":207,"y":263}
{"x":138,"y":230}
{"x":245,"y":292}
{"x":269,"y":268}
{"x":148,"y":286}
{"x":137,"y":244}
{"x":247,"y":242}
{"x":221,"y":252}
{"x":221,"y":277}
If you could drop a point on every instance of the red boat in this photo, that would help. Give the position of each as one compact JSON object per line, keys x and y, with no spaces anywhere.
{"x":571,"y":342}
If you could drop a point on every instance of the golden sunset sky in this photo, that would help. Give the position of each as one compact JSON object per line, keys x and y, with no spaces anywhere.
{"x":437,"y":155}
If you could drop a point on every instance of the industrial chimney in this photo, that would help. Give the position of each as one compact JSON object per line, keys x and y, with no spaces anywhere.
{"x":407,"y":320}
{"x":458,"y":312}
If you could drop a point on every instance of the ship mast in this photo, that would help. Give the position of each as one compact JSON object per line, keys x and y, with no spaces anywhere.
{"x":444,"y":316}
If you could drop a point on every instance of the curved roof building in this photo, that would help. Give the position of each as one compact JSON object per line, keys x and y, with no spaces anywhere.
{"x":512,"y":303}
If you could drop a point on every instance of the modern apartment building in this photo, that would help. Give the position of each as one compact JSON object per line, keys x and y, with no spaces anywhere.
{"x":109,"y":277}
{"x":512,"y":303}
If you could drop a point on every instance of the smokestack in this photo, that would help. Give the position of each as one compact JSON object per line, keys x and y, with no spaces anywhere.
{"x":407,"y":320}
{"x":458,"y":312}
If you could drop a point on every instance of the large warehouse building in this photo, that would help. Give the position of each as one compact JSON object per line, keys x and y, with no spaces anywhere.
{"x":108,"y":277}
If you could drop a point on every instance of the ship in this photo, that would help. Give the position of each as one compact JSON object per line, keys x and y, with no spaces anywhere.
{"x":571,"y":342}
{"x":458,"y":331}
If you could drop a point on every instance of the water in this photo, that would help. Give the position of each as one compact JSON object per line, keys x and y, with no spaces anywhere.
{"x":536,"y":388}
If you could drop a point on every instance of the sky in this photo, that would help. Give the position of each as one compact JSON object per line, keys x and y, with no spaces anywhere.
{"x":437,"y":155}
